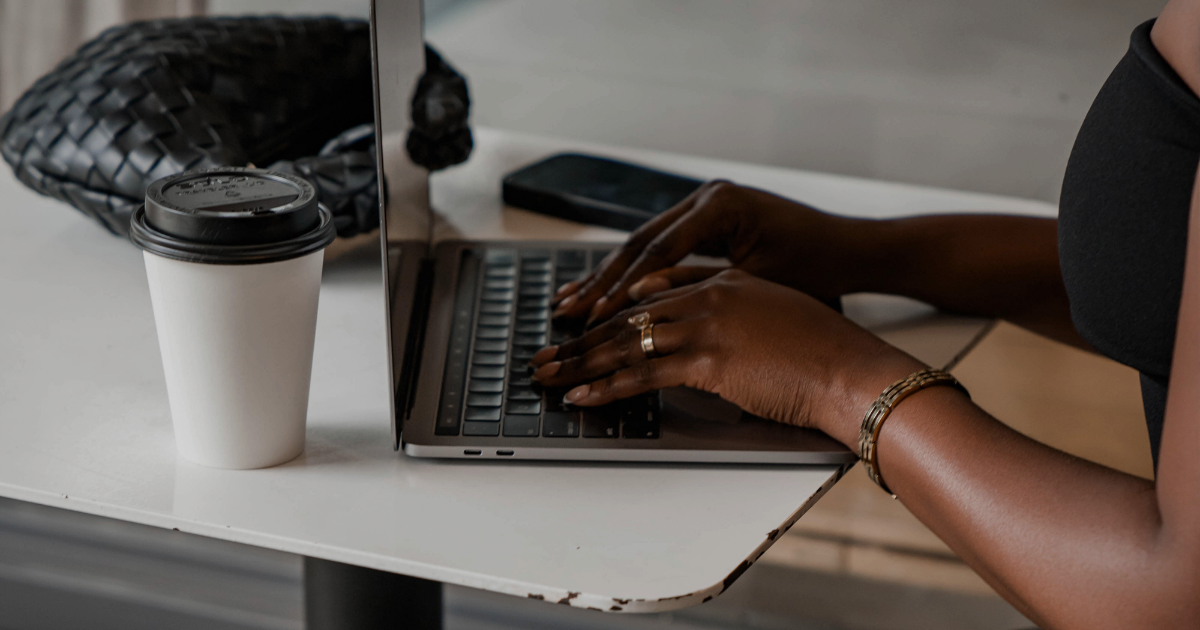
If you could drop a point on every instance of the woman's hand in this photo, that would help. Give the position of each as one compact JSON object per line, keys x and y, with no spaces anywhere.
{"x":760,"y":233}
{"x":769,"y":349}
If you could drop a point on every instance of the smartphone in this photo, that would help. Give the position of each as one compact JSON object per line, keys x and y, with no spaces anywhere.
{"x":596,"y":190}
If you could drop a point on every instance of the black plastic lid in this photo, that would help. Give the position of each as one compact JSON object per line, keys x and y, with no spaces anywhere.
{"x":231,"y":216}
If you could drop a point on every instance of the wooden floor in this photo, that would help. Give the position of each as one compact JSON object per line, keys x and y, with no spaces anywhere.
{"x":1073,"y":400}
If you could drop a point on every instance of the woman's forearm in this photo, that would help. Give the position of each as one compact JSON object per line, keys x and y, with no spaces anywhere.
{"x":1073,"y":544}
{"x":985,"y":265}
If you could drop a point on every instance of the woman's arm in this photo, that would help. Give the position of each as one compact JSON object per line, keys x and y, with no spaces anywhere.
{"x":1073,"y":544}
{"x":1004,"y":267}
{"x":985,"y":265}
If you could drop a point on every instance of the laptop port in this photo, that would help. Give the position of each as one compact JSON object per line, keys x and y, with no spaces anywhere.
{"x":468,"y":452}
{"x":504,"y":453}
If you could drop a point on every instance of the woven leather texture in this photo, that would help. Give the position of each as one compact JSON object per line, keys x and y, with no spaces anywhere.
{"x":150,"y":99}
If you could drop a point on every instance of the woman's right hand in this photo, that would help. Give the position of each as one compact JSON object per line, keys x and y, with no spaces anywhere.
{"x":760,"y":233}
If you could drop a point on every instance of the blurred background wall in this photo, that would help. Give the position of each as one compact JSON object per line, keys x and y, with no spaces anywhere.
{"x":36,"y":34}
{"x":982,"y":95}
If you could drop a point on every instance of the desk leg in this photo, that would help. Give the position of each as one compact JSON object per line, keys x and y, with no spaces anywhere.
{"x":344,"y":597}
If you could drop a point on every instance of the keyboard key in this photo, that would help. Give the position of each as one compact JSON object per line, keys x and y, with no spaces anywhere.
{"x":491,"y":332}
{"x":491,"y":345}
{"x":535,"y":290}
{"x":532,"y":303}
{"x":535,"y":265}
{"x":536,"y":277}
{"x":598,"y":424}
{"x":521,"y":426}
{"x":488,"y":414}
{"x":490,"y":358}
{"x":524,"y":353}
{"x":447,"y":424}
{"x":598,"y":256}
{"x":558,"y":336}
{"x":523,"y":407}
{"x":521,"y":369}
{"x":530,"y":340}
{"x":482,"y":429}
{"x":535,"y":254}
{"x":525,"y":382}
{"x":498,"y":295}
{"x":487,"y":371}
{"x":503,"y":271}
{"x":495,"y":320}
{"x":500,"y":257}
{"x":533,"y":315}
{"x":523,"y":393}
{"x":641,"y":430}
{"x":485,"y":386}
{"x":500,"y":283}
{"x":572,"y":258}
{"x":496,"y":307}
{"x":568,"y":276}
{"x":532,"y":328}
{"x":554,"y":399}
{"x":560,"y":424}
{"x":484,"y":400}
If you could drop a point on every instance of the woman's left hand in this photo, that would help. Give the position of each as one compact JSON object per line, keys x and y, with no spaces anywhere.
{"x":773,"y":351}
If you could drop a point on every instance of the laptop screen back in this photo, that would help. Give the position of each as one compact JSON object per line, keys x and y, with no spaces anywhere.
{"x":397,"y":37}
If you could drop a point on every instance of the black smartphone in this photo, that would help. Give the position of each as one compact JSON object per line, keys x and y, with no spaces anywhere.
{"x":596,"y":190}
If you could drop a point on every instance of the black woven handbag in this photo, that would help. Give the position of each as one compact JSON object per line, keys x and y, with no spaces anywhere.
{"x":149,"y":99}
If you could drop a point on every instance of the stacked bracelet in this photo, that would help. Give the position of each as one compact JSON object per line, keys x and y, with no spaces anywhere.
{"x":882,"y":407}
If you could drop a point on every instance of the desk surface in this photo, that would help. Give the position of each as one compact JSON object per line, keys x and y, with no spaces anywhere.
{"x":84,"y":422}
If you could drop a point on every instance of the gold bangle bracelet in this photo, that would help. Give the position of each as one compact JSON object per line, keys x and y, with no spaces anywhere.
{"x":879,"y":411}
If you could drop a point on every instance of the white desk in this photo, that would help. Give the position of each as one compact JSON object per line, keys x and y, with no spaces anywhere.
{"x":84,"y":423}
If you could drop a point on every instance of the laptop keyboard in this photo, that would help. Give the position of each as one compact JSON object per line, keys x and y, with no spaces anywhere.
{"x":501,"y":319}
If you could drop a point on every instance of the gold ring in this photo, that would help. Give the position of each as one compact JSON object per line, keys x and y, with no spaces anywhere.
{"x":648,"y":341}
{"x":640,"y":321}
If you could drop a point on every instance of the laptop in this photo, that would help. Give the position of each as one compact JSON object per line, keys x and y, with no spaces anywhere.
{"x":465,"y":318}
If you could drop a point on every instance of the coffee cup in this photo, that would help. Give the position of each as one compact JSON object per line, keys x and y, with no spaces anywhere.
{"x":233,"y":259}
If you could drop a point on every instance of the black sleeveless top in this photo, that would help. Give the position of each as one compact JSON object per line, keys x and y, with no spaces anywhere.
{"x":1122,"y":227}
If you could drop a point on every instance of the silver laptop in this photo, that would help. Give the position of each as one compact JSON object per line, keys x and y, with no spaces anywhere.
{"x":466,"y":317}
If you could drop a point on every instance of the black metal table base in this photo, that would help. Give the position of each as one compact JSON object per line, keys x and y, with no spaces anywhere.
{"x":345,"y":597}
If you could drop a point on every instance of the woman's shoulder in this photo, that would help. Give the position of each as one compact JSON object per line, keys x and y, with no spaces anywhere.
{"x":1176,"y":35}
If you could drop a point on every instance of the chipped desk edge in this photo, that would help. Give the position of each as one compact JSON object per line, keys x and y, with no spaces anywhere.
{"x":422,"y":570}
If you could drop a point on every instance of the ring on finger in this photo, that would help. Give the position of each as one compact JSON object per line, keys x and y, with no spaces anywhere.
{"x":640,"y":321}
{"x":648,"y":341}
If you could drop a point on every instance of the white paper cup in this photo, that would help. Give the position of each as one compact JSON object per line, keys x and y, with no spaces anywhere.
{"x":237,"y":347}
{"x":236,"y":321}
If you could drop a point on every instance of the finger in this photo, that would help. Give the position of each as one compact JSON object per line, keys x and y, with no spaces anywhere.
{"x":701,"y":225}
{"x":640,"y":378}
{"x":617,"y":353}
{"x":664,"y":311}
{"x":580,"y":301}
{"x":684,"y":294}
{"x":669,"y":278}
{"x":566,"y":290}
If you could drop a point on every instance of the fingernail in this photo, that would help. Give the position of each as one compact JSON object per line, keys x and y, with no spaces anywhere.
{"x":562,"y":289}
{"x":577,"y":394}
{"x":565,"y":304}
{"x":544,"y":355}
{"x":547,"y":371}
{"x":648,"y":286}
{"x":596,"y":309}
